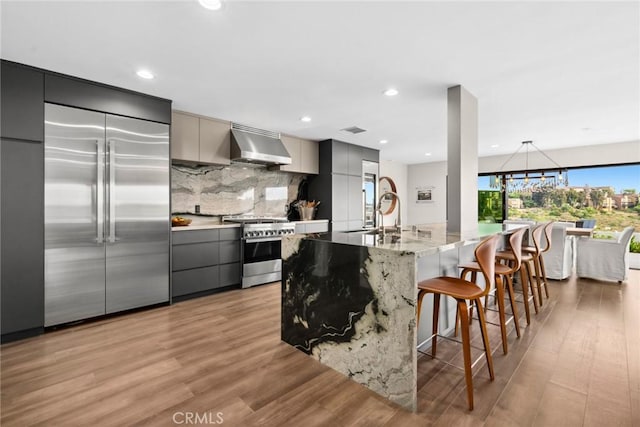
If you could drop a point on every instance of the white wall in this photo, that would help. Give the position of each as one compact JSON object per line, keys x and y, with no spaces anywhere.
{"x":590,"y":155}
{"x":397,"y":172}
{"x":434,"y":174}
{"x":427,"y":175}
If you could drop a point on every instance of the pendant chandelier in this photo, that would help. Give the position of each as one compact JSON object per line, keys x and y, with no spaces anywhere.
{"x":527,"y":181}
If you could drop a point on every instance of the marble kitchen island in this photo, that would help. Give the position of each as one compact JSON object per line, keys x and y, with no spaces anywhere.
{"x":349,"y":301}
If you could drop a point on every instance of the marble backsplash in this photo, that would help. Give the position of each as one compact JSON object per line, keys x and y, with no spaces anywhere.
{"x":232,"y":190}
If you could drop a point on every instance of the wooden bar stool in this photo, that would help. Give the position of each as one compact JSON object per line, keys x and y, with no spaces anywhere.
{"x":526,"y":272}
{"x":536,"y":250}
{"x":506,"y":272}
{"x":462,"y":290}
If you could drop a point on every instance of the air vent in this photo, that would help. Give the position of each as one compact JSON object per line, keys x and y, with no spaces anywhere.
{"x":354,"y":130}
{"x":245,"y":128}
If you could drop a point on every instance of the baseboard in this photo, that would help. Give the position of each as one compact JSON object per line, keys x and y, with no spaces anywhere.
{"x":20,"y":335}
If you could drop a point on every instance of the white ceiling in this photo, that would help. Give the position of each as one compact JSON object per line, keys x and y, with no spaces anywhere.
{"x":559,"y":73}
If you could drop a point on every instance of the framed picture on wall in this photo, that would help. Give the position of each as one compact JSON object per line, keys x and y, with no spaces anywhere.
{"x":424,"y":194}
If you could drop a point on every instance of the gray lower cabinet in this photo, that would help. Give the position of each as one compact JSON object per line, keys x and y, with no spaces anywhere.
{"x":195,"y":280}
{"x":205,"y":260}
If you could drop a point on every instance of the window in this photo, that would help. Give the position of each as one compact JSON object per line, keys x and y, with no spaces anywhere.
{"x":606,"y":194}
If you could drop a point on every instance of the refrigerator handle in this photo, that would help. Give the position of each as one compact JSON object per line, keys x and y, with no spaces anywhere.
{"x":99,"y":194}
{"x":110,"y":196}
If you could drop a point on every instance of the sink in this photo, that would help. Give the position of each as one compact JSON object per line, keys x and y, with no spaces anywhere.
{"x":389,"y":236}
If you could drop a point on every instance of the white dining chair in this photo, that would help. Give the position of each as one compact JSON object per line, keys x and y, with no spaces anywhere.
{"x":604,"y":259}
{"x":558,"y":260}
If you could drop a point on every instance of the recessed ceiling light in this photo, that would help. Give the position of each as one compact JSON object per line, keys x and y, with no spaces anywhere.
{"x":383,"y":141}
{"x":391,"y":92}
{"x":427,"y":154}
{"x":305,"y":119}
{"x":145,"y":74}
{"x":210,"y":4}
{"x":495,"y":146}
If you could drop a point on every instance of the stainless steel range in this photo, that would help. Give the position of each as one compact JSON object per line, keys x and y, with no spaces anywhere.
{"x":261,"y":247}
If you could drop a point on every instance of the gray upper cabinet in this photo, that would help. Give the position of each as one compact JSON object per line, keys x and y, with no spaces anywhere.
{"x":370,"y":154}
{"x":339,"y":157}
{"x":309,"y":157}
{"x":22,"y":102}
{"x":80,"y":93}
{"x":304,"y":155}
{"x":215,"y":141}
{"x":197,"y":139}
{"x":293,"y":147}
{"x":354,"y":158}
{"x":185,"y":137}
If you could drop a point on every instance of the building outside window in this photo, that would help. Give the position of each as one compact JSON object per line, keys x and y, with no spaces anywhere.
{"x":606,"y":194}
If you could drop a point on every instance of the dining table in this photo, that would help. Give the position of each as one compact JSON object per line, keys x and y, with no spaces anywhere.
{"x":576,"y":231}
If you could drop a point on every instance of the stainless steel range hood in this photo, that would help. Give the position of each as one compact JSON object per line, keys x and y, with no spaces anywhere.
{"x":258,"y":146}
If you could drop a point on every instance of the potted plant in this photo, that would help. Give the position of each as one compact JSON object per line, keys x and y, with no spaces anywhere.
{"x":634,"y":254}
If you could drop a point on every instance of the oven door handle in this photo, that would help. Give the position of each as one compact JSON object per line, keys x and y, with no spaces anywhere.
{"x":264,"y":239}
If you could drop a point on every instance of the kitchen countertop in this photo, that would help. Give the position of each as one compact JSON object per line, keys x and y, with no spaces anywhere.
{"x":193,"y":226}
{"x":203,"y":222}
{"x":349,"y":301}
{"x":310,"y":221}
{"x":427,"y":239}
{"x":200,"y":222}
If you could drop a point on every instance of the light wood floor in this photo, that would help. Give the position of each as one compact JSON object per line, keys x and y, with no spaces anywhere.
{"x":577,"y":364}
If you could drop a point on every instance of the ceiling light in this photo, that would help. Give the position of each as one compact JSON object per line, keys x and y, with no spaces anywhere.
{"x":495,"y":146}
{"x":427,"y":154}
{"x":391,"y":92}
{"x":383,"y":141}
{"x":533,"y":180}
{"x":145,"y":74}
{"x":305,"y":119}
{"x":210,"y":4}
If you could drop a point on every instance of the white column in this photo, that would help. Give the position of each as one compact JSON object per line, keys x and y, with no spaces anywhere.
{"x":462,"y":162}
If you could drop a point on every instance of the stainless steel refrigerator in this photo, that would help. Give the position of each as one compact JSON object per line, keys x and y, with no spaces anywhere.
{"x":107,"y":213}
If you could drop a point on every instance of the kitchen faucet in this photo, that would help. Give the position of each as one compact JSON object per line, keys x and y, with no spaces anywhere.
{"x":398,"y":223}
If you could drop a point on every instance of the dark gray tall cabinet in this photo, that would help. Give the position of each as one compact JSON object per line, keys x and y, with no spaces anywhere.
{"x":22,"y":201}
{"x":339,"y":184}
{"x":24,"y":91}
